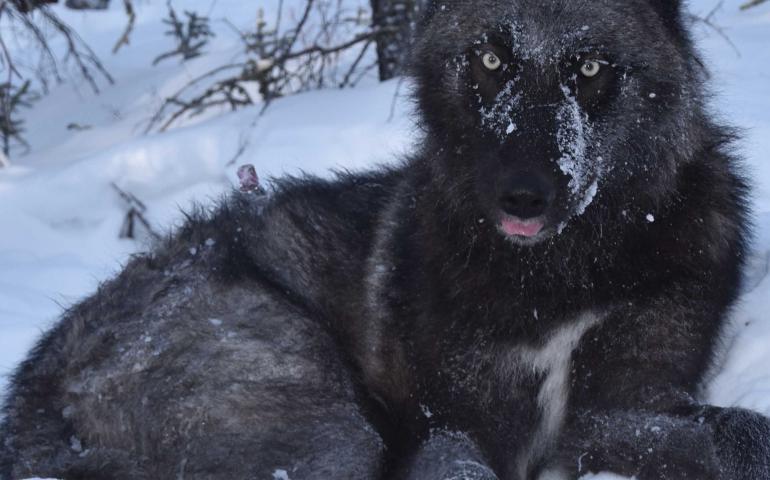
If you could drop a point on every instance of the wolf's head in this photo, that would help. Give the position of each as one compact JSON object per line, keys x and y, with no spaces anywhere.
{"x":541,"y":105}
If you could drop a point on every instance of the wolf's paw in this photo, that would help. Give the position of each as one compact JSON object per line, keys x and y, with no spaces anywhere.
{"x":742,"y":440}
{"x":684,"y":455}
{"x":449,"y":456}
{"x":469,"y":470}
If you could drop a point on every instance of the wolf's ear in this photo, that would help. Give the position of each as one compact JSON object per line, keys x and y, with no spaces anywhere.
{"x":669,"y":8}
{"x":670,"y":11}
{"x":429,"y":9}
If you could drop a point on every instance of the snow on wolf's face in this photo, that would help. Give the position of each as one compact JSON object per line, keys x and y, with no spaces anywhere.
{"x":549,"y":104}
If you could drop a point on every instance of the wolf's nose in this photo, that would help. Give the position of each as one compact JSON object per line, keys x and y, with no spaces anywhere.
{"x":524,"y":204}
{"x":526,"y":197}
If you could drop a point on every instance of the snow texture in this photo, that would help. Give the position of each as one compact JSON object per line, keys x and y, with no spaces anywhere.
{"x":60,"y":216}
{"x":573,"y":136}
{"x":603,"y":476}
{"x":498,"y":116}
{"x":281,"y":475}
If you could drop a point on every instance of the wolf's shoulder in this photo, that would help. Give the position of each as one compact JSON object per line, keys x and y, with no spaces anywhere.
{"x":309,"y":235}
{"x":353,"y":196}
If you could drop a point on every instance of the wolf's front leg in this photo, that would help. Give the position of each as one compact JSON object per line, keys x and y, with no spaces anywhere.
{"x":632,"y":407}
{"x":742,"y":440}
{"x":446,"y":456}
{"x":707,"y":443}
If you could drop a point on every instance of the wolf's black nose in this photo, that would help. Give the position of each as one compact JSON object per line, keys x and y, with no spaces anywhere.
{"x":528,"y":196}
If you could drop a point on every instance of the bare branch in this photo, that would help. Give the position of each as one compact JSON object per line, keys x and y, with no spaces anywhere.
{"x":752,"y":3}
{"x":304,"y":57}
{"x":135,"y":213}
{"x":708,"y":21}
{"x":32,"y":20}
{"x":124,"y":38}
{"x":78,"y":50}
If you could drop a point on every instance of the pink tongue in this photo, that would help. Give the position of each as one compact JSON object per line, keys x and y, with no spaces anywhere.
{"x":517,"y":227}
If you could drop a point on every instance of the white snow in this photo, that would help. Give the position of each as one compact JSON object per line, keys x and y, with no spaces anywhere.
{"x":281,"y":475}
{"x":573,"y":137}
{"x":60,"y":217}
{"x":742,"y":98}
{"x":603,"y":476}
{"x":497,"y":116}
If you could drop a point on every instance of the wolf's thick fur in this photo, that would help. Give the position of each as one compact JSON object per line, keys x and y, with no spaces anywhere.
{"x":419,"y":322}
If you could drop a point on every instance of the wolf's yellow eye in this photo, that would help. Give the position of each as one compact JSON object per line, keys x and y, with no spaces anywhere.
{"x":590,"y":68}
{"x":491,"y":61}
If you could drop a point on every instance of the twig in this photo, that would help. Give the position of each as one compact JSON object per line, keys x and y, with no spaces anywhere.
{"x":752,"y":3}
{"x":7,"y":59}
{"x":190,"y":37}
{"x":300,"y":25}
{"x":714,"y":10}
{"x":136,"y":210}
{"x":354,"y":65}
{"x":71,"y":37}
{"x":394,"y":101}
{"x":243,"y":144}
{"x":124,"y":38}
{"x":280,"y":66}
{"x":708,"y":20}
{"x":158,"y":116}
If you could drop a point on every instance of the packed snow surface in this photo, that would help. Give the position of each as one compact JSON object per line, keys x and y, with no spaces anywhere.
{"x":61,"y":217}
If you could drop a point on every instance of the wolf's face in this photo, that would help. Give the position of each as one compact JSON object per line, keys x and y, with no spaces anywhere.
{"x":543,"y":105}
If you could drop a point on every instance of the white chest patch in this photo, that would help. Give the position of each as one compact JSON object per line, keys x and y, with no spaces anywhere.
{"x":552,"y":361}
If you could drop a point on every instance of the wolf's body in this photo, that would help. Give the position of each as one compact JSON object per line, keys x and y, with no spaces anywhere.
{"x":536,"y":293}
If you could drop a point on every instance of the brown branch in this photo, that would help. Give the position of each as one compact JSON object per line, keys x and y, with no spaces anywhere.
{"x":7,"y":59}
{"x":124,"y":39}
{"x":752,"y":3}
{"x":45,"y":50}
{"x":279,"y":68}
{"x":300,"y":25}
{"x":80,"y":57}
{"x":362,"y":37}
{"x":136,"y":211}
{"x":173,"y":99}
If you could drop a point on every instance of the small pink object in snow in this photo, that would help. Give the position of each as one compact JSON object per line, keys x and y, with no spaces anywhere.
{"x":247,"y":175}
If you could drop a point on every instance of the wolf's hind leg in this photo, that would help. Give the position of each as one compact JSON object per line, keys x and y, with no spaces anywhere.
{"x":215,"y":382}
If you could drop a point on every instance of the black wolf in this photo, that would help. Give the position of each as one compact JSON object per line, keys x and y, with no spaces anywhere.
{"x":535,"y":293}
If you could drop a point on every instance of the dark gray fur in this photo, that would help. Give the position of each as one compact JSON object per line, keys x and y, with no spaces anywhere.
{"x":379,"y":326}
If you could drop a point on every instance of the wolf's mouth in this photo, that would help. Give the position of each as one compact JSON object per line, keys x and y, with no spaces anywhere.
{"x":515,"y":227}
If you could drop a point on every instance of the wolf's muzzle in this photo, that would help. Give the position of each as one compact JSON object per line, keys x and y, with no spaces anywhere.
{"x":527,"y":195}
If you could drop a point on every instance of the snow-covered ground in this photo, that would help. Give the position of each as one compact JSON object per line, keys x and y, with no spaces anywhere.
{"x":60,"y":217}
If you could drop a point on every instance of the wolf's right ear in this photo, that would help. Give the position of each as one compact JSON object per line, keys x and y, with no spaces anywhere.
{"x":670,"y":11}
{"x":429,"y":9}
{"x":668,"y":8}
